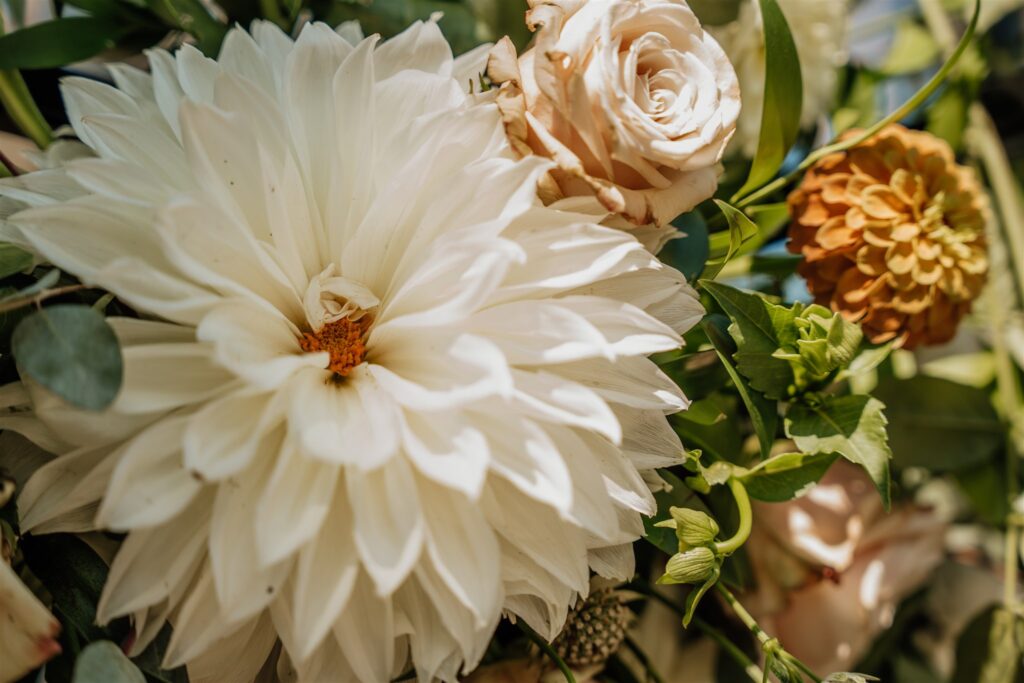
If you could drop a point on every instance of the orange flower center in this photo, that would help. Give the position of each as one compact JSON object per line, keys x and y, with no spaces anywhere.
{"x":343,"y":340}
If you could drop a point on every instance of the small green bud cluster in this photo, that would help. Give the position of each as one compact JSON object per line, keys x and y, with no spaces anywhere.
{"x":698,"y":562}
{"x":826,"y":342}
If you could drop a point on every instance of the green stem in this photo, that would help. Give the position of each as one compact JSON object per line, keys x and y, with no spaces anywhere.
{"x":545,"y":646}
{"x":645,"y":661}
{"x":731,"y":545}
{"x":909,"y":106}
{"x":730,"y":648}
{"x":769,"y":644}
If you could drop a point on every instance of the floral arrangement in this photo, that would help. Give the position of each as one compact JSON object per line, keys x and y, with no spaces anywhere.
{"x":671,"y":341}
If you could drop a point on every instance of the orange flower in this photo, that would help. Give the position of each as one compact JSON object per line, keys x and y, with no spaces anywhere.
{"x":893,"y":235}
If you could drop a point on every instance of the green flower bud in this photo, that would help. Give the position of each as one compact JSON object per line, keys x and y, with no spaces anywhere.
{"x":694,"y":566}
{"x":693,"y":527}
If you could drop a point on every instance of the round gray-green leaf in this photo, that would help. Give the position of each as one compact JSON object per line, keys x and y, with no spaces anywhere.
{"x":71,"y":351}
{"x":103,"y":662}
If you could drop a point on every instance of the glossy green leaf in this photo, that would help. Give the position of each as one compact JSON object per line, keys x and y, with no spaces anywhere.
{"x":783,"y":99}
{"x":760,"y":328}
{"x":59,"y":42}
{"x":72,"y":351}
{"x":678,"y":494}
{"x":853,"y":426}
{"x":787,"y":476}
{"x":103,"y":662}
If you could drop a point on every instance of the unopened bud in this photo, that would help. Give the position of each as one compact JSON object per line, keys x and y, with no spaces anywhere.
{"x":694,"y":566}
{"x":693,"y":527}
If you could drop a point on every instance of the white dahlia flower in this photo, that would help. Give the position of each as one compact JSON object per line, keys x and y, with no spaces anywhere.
{"x":819,"y":32}
{"x":378,"y":395}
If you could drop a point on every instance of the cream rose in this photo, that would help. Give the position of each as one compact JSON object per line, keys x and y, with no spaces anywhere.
{"x":631,"y":98}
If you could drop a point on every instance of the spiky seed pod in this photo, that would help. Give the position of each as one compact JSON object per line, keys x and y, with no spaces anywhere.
{"x":594,"y":630}
{"x":893,"y":235}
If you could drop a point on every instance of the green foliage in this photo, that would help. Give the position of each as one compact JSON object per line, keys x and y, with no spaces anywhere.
{"x":58,"y":42}
{"x":914,"y":49}
{"x":939,"y":424}
{"x":852,"y":426}
{"x":688,"y":253}
{"x":72,"y":351}
{"x":786,"y":476}
{"x":783,"y":99}
{"x":103,"y":662}
{"x":14,"y":260}
{"x":726,"y":245}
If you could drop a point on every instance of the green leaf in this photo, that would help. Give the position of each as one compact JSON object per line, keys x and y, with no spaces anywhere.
{"x":787,"y":476}
{"x":694,"y":597}
{"x":706,"y":411}
{"x":59,"y":42}
{"x":14,"y":260}
{"x":72,"y":351}
{"x":763,"y":413}
{"x":939,"y":424}
{"x":103,"y":662}
{"x":852,"y":426}
{"x":783,"y":99}
{"x":759,"y":328}
{"x":74,"y":576}
{"x":724,"y":246}
{"x":715,"y":12}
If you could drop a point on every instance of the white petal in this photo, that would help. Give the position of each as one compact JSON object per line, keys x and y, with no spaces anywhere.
{"x":447,"y":448}
{"x":389,"y":526}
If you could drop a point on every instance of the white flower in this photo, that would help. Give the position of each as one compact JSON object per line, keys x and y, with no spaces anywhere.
{"x":378,"y":395}
{"x":631,"y":98}
{"x":28,"y":631}
{"x":819,"y":32}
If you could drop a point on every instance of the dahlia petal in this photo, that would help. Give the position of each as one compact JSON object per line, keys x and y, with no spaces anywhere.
{"x":48,"y":494}
{"x":242,"y":56}
{"x":389,"y":527}
{"x":324,"y":579}
{"x":294,"y":504}
{"x":238,"y":657}
{"x":152,"y":562}
{"x":160,"y":377}
{"x":353,"y":424}
{"x":215,"y":453}
{"x":464,"y":551}
{"x":447,"y":448}
{"x":550,"y":398}
{"x":149,"y":485}
{"x":464,"y":369}
{"x":257,"y":345}
{"x":632,"y":381}
{"x":420,"y":47}
{"x":364,"y":633}
{"x":244,"y":585}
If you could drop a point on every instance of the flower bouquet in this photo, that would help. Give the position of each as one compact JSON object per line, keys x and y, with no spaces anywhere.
{"x":498,"y":340}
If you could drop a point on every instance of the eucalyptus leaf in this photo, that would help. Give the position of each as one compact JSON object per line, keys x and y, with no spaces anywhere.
{"x":783,"y":99}
{"x":103,"y":662}
{"x":853,"y":426}
{"x":787,"y":476}
{"x":59,"y":42}
{"x":72,"y":351}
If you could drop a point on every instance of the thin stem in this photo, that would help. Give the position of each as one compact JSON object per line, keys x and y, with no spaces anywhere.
{"x":545,"y":646}
{"x":731,"y":545}
{"x":645,"y":661}
{"x":769,"y":644}
{"x":730,"y":648}
{"x":909,"y":106}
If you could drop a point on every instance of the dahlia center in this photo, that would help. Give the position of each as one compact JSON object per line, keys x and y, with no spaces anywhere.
{"x":340,"y":313}
{"x":343,"y":340}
